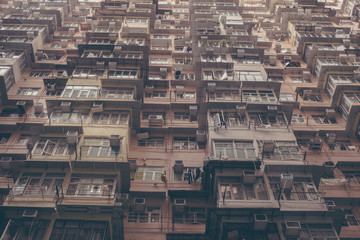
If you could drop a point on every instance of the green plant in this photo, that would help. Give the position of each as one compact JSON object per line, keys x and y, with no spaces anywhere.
{"x":222,"y":43}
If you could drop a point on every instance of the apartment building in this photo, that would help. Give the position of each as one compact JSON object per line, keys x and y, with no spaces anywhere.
{"x":179,"y":120}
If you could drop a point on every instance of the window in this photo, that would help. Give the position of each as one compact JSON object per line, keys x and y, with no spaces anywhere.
{"x":323,"y":120}
{"x":156,"y":94}
{"x":148,"y":173}
{"x":4,"y":137}
{"x":191,"y":215}
{"x":110,"y":117}
{"x":136,"y":20}
{"x":258,"y":96}
{"x":298,"y":119}
{"x":151,"y":215}
{"x":266,"y":120}
{"x":37,"y":74}
{"x":52,"y":147}
{"x":284,"y":150}
{"x":23,"y":139}
{"x":239,"y":191}
{"x":124,"y":74}
{"x":37,"y":183}
{"x":248,"y":76}
{"x":318,"y":231}
{"x":232,"y":119}
{"x":227,"y":95}
{"x":234,"y":150}
{"x":80,"y":92}
{"x":78,"y":229}
{"x":131,"y":55}
{"x":87,"y":73}
{"x":193,"y":174}
{"x":299,"y":79}
{"x":117,"y":93}
{"x":185,"y":95}
{"x":181,"y":116}
{"x":91,"y":185}
{"x":97,"y":147}
{"x":350,"y":218}
{"x":181,"y":143}
{"x":18,"y":229}
{"x":159,"y":61}
{"x":28,"y":91}
{"x":151,"y":142}
{"x":75,"y":116}
{"x":303,"y":189}
{"x":286,"y":97}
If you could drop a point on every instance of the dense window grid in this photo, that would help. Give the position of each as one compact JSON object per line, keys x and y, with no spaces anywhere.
{"x":28,"y":91}
{"x":52,"y":147}
{"x":152,"y":142}
{"x":284,"y":150}
{"x":185,"y":143}
{"x":75,"y":116}
{"x":347,"y":100}
{"x":236,"y":190}
{"x":110,"y":118}
{"x":234,"y":149}
{"x":191,"y":215}
{"x":79,"y":229}
{"x":91,"y":185}
{"x":19,"y":229}
{"x":231,"y":118}
{"x":97,"y":147}
{"x":38,"y":183}
{"x":302,"y":189}
{"x":266,"y":120}
{"x":148,"y":173}
{"x":124,"y":74}
{"x":117,"y":93}
{"x":150,"y":215}
{"x":80,"y":92}
{"x":258,"y":96}
{"x":156,"y":94}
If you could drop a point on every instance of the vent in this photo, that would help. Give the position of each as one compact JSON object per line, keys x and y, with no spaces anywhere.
{"x":260,"y":221}
{"x":72,"y":137}
{"x":330,"y":139}
{"x":139,"y":204}
{"x":38,"y":107}
{"x":97,"y":107}
{"x":330,"y":113}
{"x":179,"y":205}
{"x":315,"y":144}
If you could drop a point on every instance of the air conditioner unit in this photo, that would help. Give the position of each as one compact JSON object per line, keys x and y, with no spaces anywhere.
{"x":143,"y":135}
{"x":193,"y":109}
{"x":330,"y":204}
{"x":306,"y":75}
{"x":211,"y":86}
{"x":292,"y":228}
{"x":117,"y":49}
{"x":330,"y":139}
{"x":65,"y":106}
{"x":240,"y":53}
{"x":155,"y":120}
{"x":132,"y":164}
{"x":21,"y":107}
{"x":115,"y":141}
{"x":315,"y":144}
{"x":200,"y":135}
{"x":97,"y":107}
{"x":249,"y":176}
{"x":233,"y":40}
{"x":330,"y":113}
{"x":286,"y":181}
{"x":139,"y":204}
{"x":260,"y":221}
{"x":112,"y":66}
{"x":163,"y":73}
{"x":100,"y":65}
{"x":179,"y":205}
{"x":179,"y":89}
{"x":149,"y":88}
{"x":39,"y":107}
{"x":5,"y":162}
{"x":223,"y":19}
{"x":329,"y":168}
{"x":72,"y":137}
{"x":268,"y":146}
{"x":187,"y":34}
{"x":277,"y":47}
{"x":179,"y":166}
{"x":157,"y":23}
{"x":30,"y":213}
{"x":271,"y":110}
{"x":346,"y":43}
{"x":272,"y":60}
{"x":177,"y":23}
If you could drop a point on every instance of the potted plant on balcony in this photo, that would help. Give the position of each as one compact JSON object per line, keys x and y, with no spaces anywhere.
{"x":222,"y":43}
